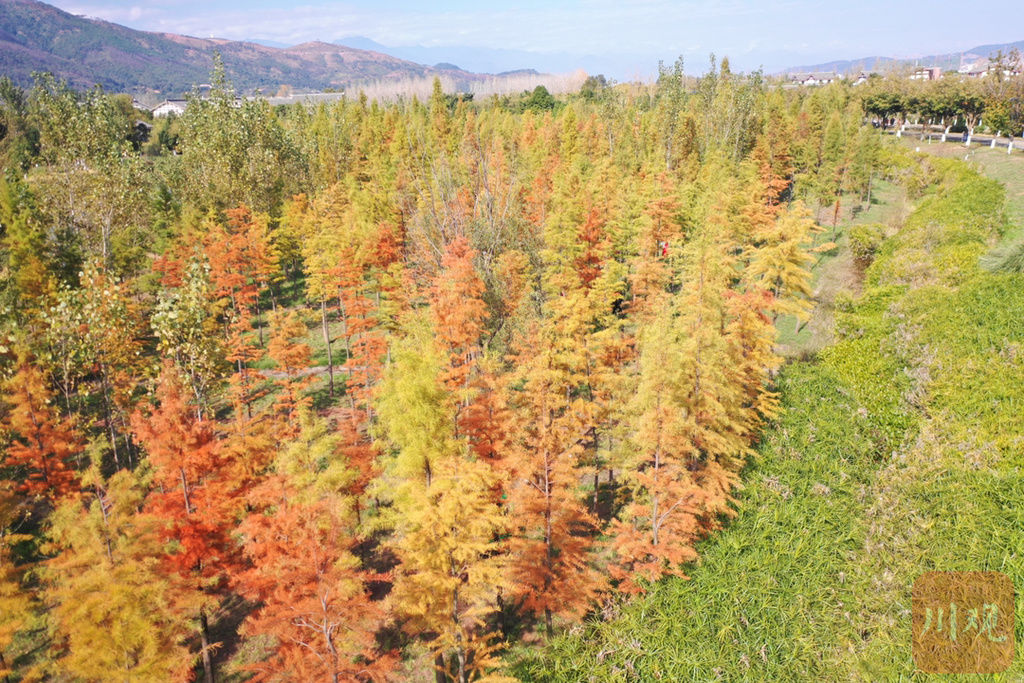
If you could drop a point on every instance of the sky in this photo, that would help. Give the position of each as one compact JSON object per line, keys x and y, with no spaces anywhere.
{"x":621,"y":38}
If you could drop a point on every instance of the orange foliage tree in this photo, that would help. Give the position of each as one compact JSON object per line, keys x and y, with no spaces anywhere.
{"x":191,"y":494}
{"x":240,"y":266}
{"x":43,"y":444}
{"x":300,"y":542}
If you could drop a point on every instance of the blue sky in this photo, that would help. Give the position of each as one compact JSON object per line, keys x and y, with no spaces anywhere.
{"x":621,"y":38}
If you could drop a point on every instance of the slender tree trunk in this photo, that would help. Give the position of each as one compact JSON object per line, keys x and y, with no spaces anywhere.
{"x":204,"y":637}
{"x":106,"y":536}
{"x":502,"y":615}
{"x":348,"y":342}
{"x":128,"y":446}
{"x":656,"y":496}
{"x":259,"y":323}
{"x":184,"y":491}
{"x":440,"y":672}
{"x":327,"y":341}
{"x":463,"y":677}
{"x":66,"y":390}
{"x":108,"y":416}
{"x":460,"y":650}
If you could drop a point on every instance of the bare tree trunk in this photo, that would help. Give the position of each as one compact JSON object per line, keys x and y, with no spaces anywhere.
{"x":204,"y":637}
{"x":259,"y":323}
{"x":108,"y":416}
{"x":348,"y":343}
{"x":327,"y":342}
{"x":440,"y":672}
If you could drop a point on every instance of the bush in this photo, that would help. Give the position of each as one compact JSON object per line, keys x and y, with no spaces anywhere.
{"x":865,"y":240}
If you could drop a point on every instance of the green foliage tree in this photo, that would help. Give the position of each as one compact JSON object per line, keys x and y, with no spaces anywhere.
{"x":235,"y":151}
{"x":539,"y":100}
{"x":94,"y":182}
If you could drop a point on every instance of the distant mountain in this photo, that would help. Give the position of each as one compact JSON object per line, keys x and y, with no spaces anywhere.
{"x":38,"y":37}
{"x":520,"y":72}
{"x":273,"y":43}
{"x":480,"y":59}
{"x":845,"y":66}
{"x":948,"y":62}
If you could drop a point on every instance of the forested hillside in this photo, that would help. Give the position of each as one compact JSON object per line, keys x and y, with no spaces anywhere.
{"x":37,"y":37}
{"x":415,"y":391}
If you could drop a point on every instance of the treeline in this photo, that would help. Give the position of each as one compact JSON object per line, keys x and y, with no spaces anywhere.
{"x":340,"y":393}
{"x":995,"y":102}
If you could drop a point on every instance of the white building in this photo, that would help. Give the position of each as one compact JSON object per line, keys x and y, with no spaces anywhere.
{"x":926,"y":73}
{"x":817,"y":78}
{"x":168,"y":107}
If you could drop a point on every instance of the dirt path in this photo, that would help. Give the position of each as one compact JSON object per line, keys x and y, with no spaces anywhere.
{"x":315,"y":371}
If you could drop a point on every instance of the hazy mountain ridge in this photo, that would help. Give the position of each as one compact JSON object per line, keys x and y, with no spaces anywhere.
{"x":948,"y":62}
{"x":38,"y":37}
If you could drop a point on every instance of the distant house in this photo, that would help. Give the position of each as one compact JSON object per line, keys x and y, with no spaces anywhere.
{"x":976,"y":69}
{"x":1010,"y":69}
{"x":815,"y":78}
{"x":168,"y":107}
{"x":861,"y":78}
{"x":983,"y":67}
{"x":926,"y":73}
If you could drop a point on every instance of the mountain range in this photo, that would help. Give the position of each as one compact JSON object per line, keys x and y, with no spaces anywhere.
{"x":35,"y":36}
{"x":947,"y":62}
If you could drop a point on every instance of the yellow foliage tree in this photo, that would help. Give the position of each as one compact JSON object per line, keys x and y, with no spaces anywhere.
{"x":446,"y":522}
{"x":113,"y":615}
{"x":15,"y":602}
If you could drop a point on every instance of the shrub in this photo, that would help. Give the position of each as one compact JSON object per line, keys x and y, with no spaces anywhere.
{"x":865,"y":240}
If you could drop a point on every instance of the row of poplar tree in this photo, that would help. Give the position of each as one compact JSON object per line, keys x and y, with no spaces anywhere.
{"x":346,"y":392}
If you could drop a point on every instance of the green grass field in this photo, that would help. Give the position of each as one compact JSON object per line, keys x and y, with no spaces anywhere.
{"x":898,"y":452}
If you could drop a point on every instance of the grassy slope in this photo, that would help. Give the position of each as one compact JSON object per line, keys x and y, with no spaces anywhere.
{"x":835,"y":271}
{"x":993,"y":163}
{"x":899,"y":452}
